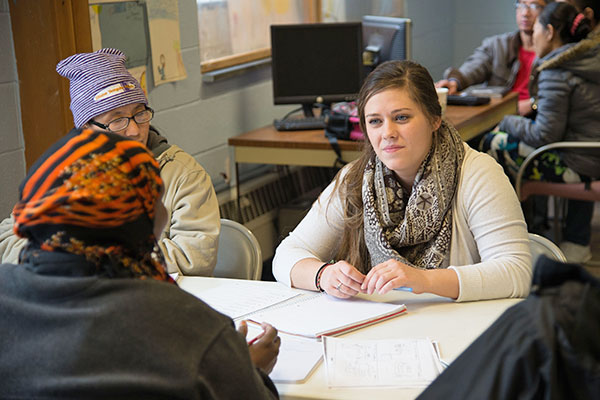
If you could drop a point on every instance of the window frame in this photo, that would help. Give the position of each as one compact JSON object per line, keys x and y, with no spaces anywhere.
{"x":313,"y":12}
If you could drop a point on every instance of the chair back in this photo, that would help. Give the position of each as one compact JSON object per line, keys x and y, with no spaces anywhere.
{"x":576,"y":191}
{"x":540,"y":245}
{"x":239,"y":254}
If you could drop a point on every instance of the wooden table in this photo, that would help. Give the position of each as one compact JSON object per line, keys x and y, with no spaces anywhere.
{"x":310,"y":148}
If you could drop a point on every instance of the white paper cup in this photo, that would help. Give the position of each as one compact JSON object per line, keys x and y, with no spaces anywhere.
{"x":442,"y":94}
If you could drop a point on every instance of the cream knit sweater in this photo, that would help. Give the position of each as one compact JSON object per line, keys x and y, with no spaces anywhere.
{"x":489,"y":249}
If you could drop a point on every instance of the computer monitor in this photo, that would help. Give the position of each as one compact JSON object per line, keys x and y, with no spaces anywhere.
{"x":385,"y":38}
{"x":316,"y":63}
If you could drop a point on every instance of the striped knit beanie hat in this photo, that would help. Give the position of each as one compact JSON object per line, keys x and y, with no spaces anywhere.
{"x":99,"y":83}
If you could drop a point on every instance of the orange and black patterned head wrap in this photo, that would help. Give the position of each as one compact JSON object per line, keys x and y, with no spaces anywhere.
{"x":93,"y":194}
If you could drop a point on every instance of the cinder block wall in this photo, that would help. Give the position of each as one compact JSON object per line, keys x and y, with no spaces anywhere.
{"x":200,"y":117}
{"x":12,"y":150}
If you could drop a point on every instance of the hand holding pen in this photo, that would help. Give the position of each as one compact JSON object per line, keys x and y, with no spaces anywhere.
{"x":264,"y":348}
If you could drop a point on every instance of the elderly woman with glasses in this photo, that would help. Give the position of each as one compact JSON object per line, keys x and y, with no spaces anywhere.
{"x":105,"y":96}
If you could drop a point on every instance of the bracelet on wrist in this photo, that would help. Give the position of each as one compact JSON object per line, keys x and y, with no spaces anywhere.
{"x":319,"y":273}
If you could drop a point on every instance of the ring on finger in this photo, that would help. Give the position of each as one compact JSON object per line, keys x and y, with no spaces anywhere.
{"x":338,"y":286}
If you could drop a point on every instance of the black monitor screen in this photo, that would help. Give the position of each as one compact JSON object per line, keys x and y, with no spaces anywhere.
{"x":311,"y":61}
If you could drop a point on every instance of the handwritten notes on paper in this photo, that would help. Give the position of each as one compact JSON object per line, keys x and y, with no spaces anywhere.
{"x":389,"y":362}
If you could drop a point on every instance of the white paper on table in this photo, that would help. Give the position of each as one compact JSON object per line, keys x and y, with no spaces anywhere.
{"x":316,"y":314}
{"x":380,"y":362}
{"x":239,"y":298}
{"x":297,"y":358}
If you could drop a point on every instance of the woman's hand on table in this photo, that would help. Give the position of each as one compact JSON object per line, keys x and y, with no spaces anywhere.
{"x":341,"y":280}
{"x":393,"y":274}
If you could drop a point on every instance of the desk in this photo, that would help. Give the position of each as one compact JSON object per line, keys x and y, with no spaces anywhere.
{"x":310,"y":148}
{"x":454,"y":325}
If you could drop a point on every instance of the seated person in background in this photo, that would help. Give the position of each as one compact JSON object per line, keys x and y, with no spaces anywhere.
{"x":91,"y":311}
{"x":105,"y":96}
{"x":419,"y":208}
{"x":501,"y":60}
{"x":567,"y":100}
{"x":590,"y":10}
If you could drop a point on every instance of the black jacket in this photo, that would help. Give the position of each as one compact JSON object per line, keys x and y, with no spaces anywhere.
{"x":545,"y":347}
{"x":66,"y":333}
{"x":565,"y":85}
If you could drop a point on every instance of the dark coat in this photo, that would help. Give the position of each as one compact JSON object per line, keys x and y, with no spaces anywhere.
{"x":495,"y":62}
{"x":68,"y":334}
{"x":545,"y":347}
{"x":566,"y":92}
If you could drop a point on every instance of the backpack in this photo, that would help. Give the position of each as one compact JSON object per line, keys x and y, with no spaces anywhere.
{"x":343,"y":124}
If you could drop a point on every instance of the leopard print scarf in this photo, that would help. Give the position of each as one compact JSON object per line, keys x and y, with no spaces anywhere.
{"x":415,"y":229}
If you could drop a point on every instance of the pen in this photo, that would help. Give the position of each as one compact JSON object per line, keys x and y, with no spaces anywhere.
{"x":404,"y":288}
{"x":252,"y":341}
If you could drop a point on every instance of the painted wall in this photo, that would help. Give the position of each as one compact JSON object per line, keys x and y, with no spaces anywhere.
{"x":475,"y":20}
{"x":433,"y":33}
{"x":200,"y":117}
{"x":12,"y":149}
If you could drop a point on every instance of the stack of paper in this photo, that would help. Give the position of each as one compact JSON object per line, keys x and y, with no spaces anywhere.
{"x":314,"y":315}
{"x":237,"y":298}
{"x":388,"y":362}
{"x":494,"y":92}
{"x":298,"y":358}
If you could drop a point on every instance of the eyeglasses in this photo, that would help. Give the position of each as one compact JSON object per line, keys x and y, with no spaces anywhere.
{"x":533,"y":7}
{"x":122,"y":123}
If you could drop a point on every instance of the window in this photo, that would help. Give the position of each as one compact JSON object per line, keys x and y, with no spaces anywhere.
{"x":233,"y":32}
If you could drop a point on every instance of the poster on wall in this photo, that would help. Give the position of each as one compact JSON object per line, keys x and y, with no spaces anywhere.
{"x":139,"y":73}
{"x":165,"y":42}
{"x":120,"y":25}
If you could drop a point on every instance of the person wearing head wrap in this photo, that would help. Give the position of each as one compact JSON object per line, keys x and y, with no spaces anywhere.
{"x":105,"y":96}
{"x":91,"y":311}
{"x":94,"y":196}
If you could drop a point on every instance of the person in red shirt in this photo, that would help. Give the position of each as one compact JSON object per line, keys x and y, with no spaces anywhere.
{"x":501,"y":60}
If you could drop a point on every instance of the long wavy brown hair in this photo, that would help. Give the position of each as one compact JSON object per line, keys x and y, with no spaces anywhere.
{"x":417,"y":81}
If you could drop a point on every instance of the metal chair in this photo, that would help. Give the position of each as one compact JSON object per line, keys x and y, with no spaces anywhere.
{"x":575,"y":191}
{"x":540,"y":245}
{"x":239,"y":254}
